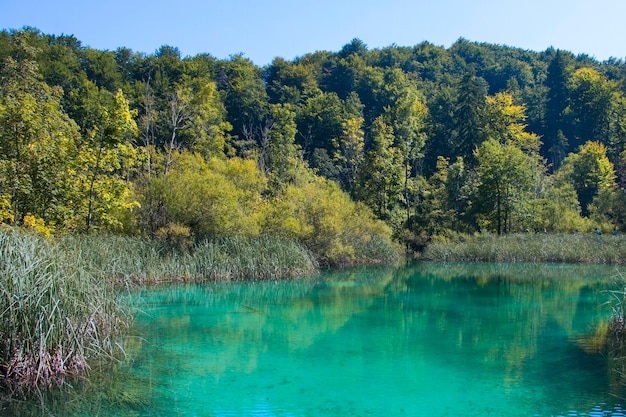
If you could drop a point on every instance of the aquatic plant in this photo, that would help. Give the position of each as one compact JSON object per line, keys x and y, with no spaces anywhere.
{"x":617,"y":323}
{"x":246,"y":258}
{"x":529,"y":247}
{"x":56,"y":316}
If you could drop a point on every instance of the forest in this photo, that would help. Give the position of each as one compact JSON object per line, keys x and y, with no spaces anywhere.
{"x":350,"y":152}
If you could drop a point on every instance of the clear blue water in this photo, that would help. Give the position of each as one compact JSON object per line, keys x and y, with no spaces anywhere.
{"x":422,"y":340}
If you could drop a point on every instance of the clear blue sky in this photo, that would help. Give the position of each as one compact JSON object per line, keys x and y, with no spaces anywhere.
{"x":262,"y":30}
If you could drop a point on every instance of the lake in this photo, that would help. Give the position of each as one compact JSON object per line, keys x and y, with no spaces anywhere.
{"x":426,"y":339}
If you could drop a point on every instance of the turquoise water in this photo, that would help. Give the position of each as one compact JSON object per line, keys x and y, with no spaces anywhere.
{"x":422,"y":340}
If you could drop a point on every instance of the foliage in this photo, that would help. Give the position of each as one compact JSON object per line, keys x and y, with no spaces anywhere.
{"x":38,"y":147}
{"x":340,"y":231}
{"x":102,"y":138}
{"x":214,"y":197}
{"x":589,"y":171}
{"x":505,"y":175}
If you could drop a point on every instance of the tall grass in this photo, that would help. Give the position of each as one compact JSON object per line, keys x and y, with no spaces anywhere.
{"x":259,"y":258}
{"x":561,"y":248}
{"x":136,"y":260}
{"x":56,"y":316}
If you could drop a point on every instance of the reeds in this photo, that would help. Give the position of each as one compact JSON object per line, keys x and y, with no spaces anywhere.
{"x":241,"y":258}
{"x":529,"y":247}
{"x":56,"y":316}
{"x":135,"y":260}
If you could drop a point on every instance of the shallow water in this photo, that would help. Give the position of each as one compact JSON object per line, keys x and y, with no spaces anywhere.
{"x":423,"y":340}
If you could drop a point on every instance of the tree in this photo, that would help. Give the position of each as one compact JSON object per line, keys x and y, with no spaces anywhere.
{"x":289,"y":82}
{"x":597,"y":109}
{"x":320,"y":121}
{"x":383,"y":172}
{"x":335,"y":228}
{"x":349,"y":153}
{"x":243,"y":92}
{"x":558,"y":208}
{"x":197,"y":118}
{"x":438,"y":208}
{"x":107,"y":143}
{"x":589,"y":170}
{"x":37,"y":145}
{"x":279,"y":155}
{"x":468,"y":116}
{"x":556,"y":127}
{"x":505,"y":123}
{"x":208,"y":197}
{"x":408,"y":116}
{"x":505,"y":173}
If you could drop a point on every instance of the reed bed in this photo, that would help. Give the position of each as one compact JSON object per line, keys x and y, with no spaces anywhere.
{"x":56,"y":317}
{"x":134,"y":260}
{"x":528,"y":247}
{"x":237,"y":258}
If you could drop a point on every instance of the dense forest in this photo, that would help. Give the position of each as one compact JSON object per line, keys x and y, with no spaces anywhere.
{"x":342,"y":151}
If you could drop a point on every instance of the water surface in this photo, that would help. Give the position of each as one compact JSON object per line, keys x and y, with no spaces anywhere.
{"x":422,"y":340}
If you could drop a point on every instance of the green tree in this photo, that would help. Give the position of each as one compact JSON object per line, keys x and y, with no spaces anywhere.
{"x":279,"y":156}
{"x":107,"y":148}
{"x":197,"y":118}
{"x":589,"y":170}
{"x":289,"y":82}
{"x":555,"y":121}
{"x":37,"y":144}
{"x":349,"y":153}
{"x":505,"y":122}
{"x":408,"y":117}
{"x":558,"y":208}
{"x":468,"y":115}
{"x":597,"y":109}
{"x":437,"y":207}
{"x":608,"y":208}
{"x":505,"y":173}
{"x":335,"y":228}
{"x":207,"y":197}
{"x":383,"y":171}
{"x":243,"y":93}
{"x":320,"y":121}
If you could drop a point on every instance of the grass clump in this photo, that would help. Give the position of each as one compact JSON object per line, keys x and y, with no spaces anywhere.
{"x":56,"y":316}
{"x":528,"y":247}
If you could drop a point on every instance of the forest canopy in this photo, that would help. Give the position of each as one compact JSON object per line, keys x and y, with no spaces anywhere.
{"x":343,"y":151}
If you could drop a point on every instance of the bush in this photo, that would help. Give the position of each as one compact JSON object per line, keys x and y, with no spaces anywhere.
{"x":336,"y":229}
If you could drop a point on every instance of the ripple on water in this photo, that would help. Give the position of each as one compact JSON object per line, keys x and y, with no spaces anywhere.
{"x":597,"y":411}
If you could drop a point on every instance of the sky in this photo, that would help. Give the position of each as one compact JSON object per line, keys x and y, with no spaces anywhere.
{"x":262,"y":30}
